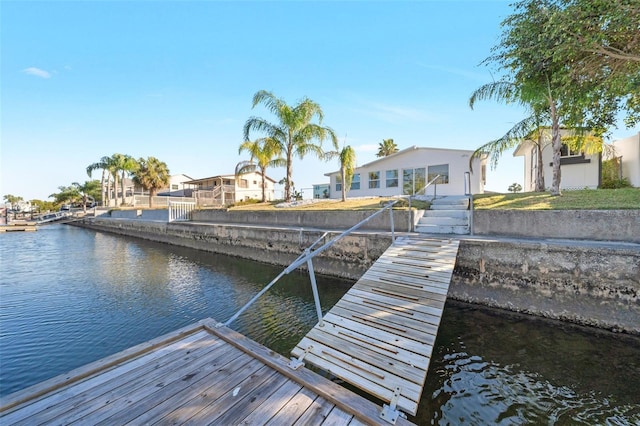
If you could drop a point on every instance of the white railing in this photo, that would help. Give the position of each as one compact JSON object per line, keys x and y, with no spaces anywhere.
{"x":180,"y":211}
{"x":306,"y":258}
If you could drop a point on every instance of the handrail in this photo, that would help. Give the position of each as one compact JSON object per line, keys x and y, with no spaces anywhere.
{"x":423,"y":189}
{"x":306,"y":257}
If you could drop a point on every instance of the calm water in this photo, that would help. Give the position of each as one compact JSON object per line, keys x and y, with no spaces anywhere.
{"x":69,"y":296}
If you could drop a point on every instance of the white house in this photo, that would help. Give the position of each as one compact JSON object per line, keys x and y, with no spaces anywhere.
{"x":225,"y":189}
{"x":578,"y":170}
{"x":628,"y":151}
{"x":409,"y":170}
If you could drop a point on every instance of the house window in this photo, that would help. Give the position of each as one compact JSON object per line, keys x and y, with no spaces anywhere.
{"x":174,"y":187}
{"x":374,"y":180}
{"x":413,"y":180}
{"x":565,"y":151}
{"x":440,"y":169}
{"x":392,"y":178}
{"x":243,"y":183}
{"x":338,"y":183}
{"x":355,"y":182}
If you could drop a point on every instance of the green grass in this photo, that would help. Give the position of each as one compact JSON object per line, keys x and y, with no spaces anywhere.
{"x":586,"y":199}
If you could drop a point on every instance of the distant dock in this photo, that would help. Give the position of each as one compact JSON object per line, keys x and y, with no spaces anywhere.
{"x":19,"y":225}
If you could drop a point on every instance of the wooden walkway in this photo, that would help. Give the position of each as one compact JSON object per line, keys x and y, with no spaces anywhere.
{"x":201,"y":374}
{"x":380,"y":335}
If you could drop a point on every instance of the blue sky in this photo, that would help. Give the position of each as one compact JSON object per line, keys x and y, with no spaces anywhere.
{"x":86,"y":79}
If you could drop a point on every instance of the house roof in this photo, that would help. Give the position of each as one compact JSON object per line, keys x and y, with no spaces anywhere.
{"x":403,"y":151}
{"x":230,"y":176}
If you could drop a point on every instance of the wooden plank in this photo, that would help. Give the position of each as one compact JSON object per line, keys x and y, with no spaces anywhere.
{"x":131,"y":391}
{"x":385,"y":302}
{"x":190,"y":401}
{"x":337,"y":417}
{"x":412,"y":329}
{"x":316,"y":413}
{"x":273,"y":404}
{"x":421,"y":284}
{"x":295,"y":409}
{"x":391,"y":312}
{"x":168,"y":395}
{"x":402,"y":294}
{"x":343,"y":398}
{"x":235,"y":406}
{"x":371,"y":384}
{"x":35,"y":391}
{"x":59,"y":397}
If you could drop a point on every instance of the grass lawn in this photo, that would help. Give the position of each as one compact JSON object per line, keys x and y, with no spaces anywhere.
{"x":587,"y":199}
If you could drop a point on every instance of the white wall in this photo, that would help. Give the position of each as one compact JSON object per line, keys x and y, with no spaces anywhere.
{"x":412,"y":158}
{"x":629,"y":150}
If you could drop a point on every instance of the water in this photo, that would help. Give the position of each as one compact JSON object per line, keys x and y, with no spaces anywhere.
{"x":69,"y":296}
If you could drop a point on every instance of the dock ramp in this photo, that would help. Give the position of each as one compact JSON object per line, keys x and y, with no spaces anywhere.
{"x":380,"y":335}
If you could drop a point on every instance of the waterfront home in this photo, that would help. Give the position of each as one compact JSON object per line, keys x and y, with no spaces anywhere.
{"x":409,"y":170}
{"x":226,"y":189}
{"x":578,"y":170}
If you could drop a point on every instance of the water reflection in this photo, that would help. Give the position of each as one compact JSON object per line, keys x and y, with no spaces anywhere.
{"x":492,"y":368}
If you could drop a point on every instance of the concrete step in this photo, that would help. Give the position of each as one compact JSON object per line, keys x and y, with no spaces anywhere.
{"x":461,"y":214}
{"x":439,"y":229}
{"x":450,"y":203}
{"x":443,"y":221}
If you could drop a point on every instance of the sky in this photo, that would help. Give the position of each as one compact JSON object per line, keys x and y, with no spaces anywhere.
{"x":80,"y":80}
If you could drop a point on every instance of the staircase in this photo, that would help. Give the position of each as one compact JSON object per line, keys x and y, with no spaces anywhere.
{"x":447,"y":215}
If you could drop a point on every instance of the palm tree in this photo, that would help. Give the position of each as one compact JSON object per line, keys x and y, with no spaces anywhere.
{"x":123,"y":164}
{"x":347,"y":166}
{"x":152,"y":174}
{"x":294,"y":132}
{"x":529,"y":128}
{"x":386,"y":147}
{"x":106,"y":164}
{"x":262,"y":152}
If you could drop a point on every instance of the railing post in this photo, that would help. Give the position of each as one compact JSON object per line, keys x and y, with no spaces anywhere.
{"x":393,"y":237}
{"x":169,"y":211}
{"x":314,"y":287}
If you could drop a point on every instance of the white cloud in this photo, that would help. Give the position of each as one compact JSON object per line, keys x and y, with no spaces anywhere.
{"x":37,"y":72}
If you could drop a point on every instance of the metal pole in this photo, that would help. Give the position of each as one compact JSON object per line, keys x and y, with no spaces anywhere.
{"x":314,"y":287}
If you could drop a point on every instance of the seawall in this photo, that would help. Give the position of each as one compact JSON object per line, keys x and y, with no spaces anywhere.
{"x":584,"y":282}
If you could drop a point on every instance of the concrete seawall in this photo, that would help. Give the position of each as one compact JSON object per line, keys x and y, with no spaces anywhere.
{"x":589,"y":283}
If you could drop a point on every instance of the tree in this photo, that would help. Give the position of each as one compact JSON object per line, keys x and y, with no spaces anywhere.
{"x":515,"y":187}
{"x":87,"y":190}
{"x":152,"y":174}
{"x":11,"y":198}
{"x":123,"y":164}
{"x":386,"y":147}
{"x":294,"y":132}
{"x":262,"y":152}
{"x":107,"y":166}
{"x":529,"y":128}
{"x":347,"y":166}
{"x":601,"y":42}
{"x":67,"y":195}
{"x":527,"y":53}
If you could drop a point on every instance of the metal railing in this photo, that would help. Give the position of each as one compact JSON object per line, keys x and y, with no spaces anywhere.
{"x":180,"y":211}
{"x":424,"y":189}
{"x":469,"y":193}
{"x":306,"y":258}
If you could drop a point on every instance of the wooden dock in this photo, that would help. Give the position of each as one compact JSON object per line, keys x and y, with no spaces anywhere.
{"x":19,"y":225}
{"x":380,"y":335}
{"x":202,"y":374}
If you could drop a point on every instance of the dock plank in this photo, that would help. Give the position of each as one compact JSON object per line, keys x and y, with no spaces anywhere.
{"x":380,"y":335}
